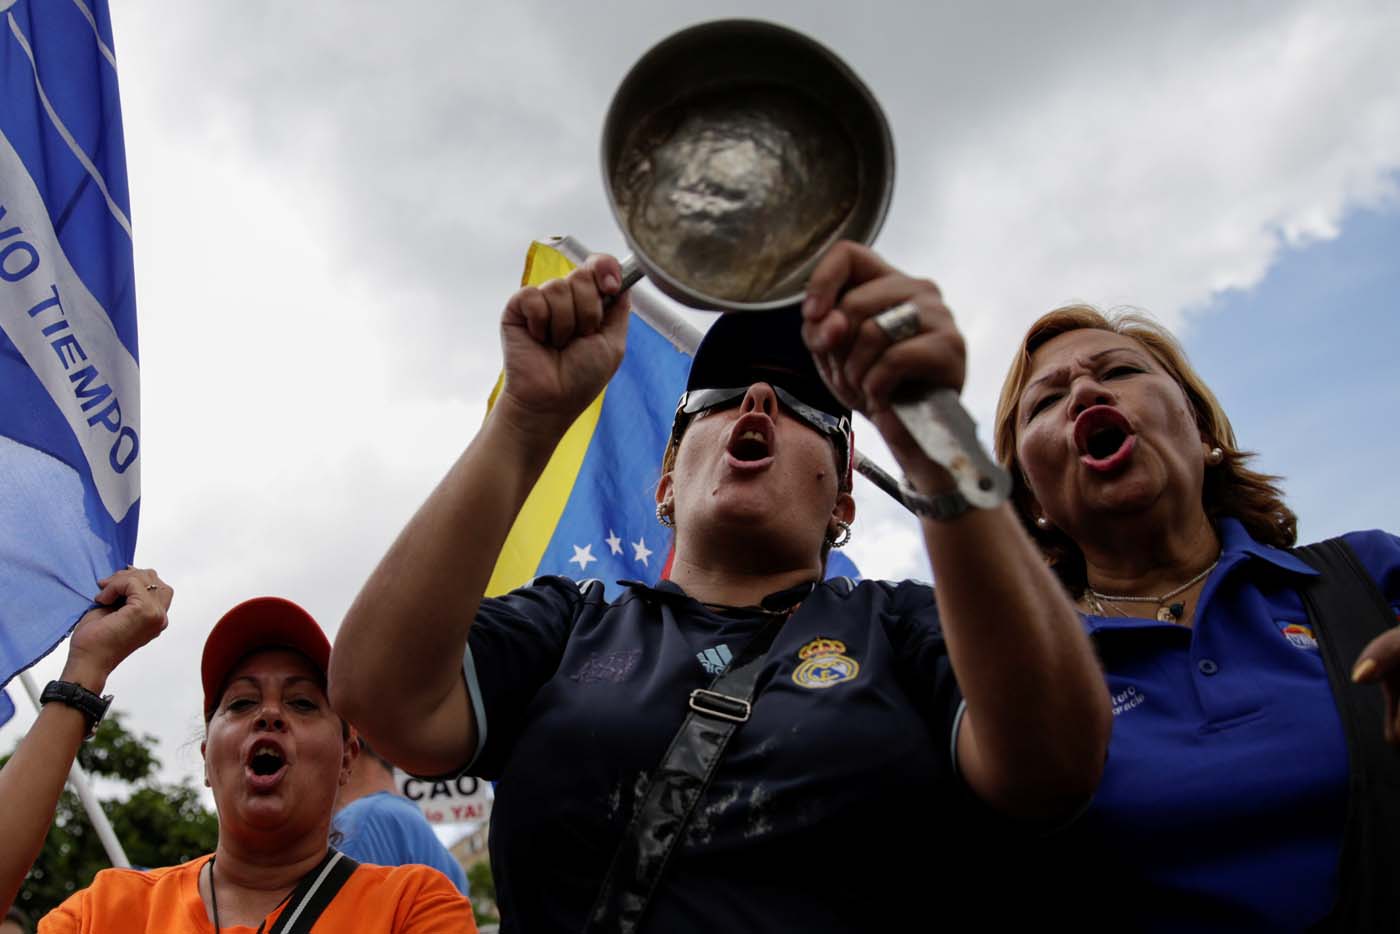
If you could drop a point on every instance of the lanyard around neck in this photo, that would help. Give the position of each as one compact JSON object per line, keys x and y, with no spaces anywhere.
{"x":303,"y":890}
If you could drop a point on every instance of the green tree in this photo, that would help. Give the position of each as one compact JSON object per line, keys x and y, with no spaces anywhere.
{"x":157,"y":824}
{"x":483,"y":888}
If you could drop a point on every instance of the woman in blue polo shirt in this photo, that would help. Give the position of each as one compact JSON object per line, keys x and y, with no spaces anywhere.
{"x":1226,"y":791}
{"x":836,"y":805}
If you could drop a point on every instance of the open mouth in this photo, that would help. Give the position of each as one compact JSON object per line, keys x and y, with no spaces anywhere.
{"x":1106,"y":442}
{"x":1104,"y":438}
{"x":750,"y":442}
{"x":266,"y":762}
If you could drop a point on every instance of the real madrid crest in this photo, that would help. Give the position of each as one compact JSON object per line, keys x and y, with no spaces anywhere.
{"x":824,"y":664}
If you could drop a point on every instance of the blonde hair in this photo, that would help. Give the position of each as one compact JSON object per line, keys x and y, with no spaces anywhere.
{"x":1230,"y":488}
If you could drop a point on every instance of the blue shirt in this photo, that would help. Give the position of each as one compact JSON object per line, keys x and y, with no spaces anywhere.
{"x":388,"y":830}
{"x":835,"y":807}
{"x":1224,"y":794}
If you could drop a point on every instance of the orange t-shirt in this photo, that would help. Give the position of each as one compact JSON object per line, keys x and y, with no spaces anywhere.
{"x":399,"y":899}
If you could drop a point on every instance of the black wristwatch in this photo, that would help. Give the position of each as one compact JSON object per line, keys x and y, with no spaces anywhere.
{"x":90,"y":705}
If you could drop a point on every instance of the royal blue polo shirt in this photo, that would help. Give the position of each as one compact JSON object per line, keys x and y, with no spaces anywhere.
{"x":1224,"y":794}
{"x":835,"y":808}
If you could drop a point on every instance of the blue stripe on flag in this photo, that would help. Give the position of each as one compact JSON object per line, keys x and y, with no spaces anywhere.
{"x":615,"y":493}
{"x":70,"y":422}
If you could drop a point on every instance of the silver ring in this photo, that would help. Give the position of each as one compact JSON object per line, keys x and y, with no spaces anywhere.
{"x":153,"y":586}
{"x":900,"y":322}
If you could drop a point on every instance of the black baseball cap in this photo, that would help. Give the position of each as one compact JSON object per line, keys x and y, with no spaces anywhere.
{"x":743,"y":348}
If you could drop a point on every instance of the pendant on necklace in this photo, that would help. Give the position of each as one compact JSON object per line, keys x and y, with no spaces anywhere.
{"x":1171,"y":613}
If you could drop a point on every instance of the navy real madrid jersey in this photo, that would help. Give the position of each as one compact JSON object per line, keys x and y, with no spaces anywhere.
{"x":843,"y":771}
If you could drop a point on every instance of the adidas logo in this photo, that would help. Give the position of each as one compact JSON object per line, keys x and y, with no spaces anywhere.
{"x":715,"y":660}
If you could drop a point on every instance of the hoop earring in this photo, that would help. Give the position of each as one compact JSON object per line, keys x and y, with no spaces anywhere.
{"x":664,"y":516}
{"x":841,"y":539}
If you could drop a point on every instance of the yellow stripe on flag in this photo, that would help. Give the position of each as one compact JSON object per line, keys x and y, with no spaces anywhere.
{"x":534,"y":527}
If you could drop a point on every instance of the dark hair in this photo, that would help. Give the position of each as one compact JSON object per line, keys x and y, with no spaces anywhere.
{"x":367,"y":750}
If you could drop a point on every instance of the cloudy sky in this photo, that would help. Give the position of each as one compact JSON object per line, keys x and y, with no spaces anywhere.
{"x":331,"y":202}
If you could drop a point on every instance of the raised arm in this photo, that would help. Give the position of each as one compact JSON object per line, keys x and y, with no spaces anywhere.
{"x":131,"y":612}
{"x":1035,"y":733}
{"x":396,"y":670}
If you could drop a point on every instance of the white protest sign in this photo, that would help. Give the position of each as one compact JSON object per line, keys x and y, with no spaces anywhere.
{"x":447,"y":802}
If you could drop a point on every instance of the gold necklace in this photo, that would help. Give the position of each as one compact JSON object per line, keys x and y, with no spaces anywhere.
{"x":1166,"y":612}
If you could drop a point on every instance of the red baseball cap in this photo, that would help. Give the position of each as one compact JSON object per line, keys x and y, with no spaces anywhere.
{"x":253,"y":625}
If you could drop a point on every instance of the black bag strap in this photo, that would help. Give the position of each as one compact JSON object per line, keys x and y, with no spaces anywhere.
{"x":676,"y":788}
{"x":1347,"y":611}
{"x":314,"y":893}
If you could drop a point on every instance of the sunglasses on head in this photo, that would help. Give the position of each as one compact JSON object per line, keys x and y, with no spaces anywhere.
{"x":698,"y":401}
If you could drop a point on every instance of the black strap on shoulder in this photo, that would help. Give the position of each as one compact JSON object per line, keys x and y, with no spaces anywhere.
{"x":314,"y":893}
{"x":676,"y":787}
{"x":1347,"y":611}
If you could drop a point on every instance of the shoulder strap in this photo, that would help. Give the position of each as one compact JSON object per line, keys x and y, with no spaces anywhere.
{"x":676,"y":788}
{"x":1347,"y":611}
{"x":314,"y":893}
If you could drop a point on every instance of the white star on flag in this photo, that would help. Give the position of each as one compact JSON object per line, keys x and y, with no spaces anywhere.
{"x":640,"y":552}
{"x":582,"y":556}
{"x":614,"y":543}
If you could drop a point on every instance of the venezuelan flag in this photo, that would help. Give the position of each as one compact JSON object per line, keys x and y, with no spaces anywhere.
{"x":593,"y":512}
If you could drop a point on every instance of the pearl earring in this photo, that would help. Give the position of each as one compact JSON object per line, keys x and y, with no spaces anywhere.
{"x":1042,"y":523}
{"x":1215,"y":456}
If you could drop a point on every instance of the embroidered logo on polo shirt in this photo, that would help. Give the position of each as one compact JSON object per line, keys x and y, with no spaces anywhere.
{"x":713,"y":660}
{"x":1126,"y":699}
{"x":824,"y":664}
{"x":1298,"y":634}
{"x":612,"y":667}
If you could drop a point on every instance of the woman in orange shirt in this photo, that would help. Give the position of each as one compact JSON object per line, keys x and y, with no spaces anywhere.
{"x":274,"y":754}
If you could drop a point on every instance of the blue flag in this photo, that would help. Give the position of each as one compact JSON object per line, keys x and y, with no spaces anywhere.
{"x":7,"y":707}
{"x":593,"y":512}
{"x":70,"y":440}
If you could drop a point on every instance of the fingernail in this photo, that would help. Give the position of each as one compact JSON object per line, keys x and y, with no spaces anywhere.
{"x":612,"y":283}
{"x":1363,"y":670}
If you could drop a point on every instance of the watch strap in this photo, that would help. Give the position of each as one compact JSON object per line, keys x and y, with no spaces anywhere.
{"x":941,"y":507}
{"x":91,"y":706}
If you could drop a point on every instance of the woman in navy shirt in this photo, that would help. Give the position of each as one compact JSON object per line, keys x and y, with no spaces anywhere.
{"x":1225,"y":793}
{"x":835,"y":805}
